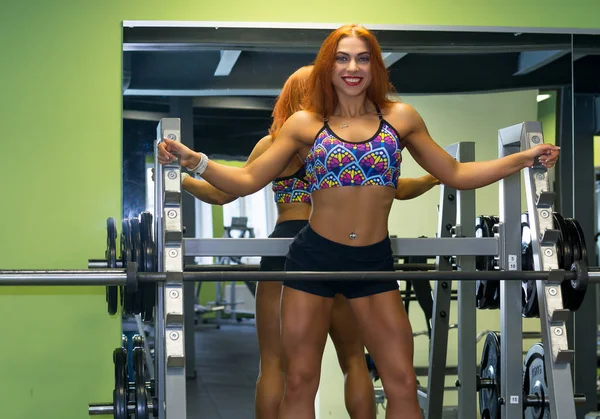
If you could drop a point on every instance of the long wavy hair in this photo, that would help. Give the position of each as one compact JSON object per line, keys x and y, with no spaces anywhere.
{"x":320,"y":95}
{"x":290,"y":98}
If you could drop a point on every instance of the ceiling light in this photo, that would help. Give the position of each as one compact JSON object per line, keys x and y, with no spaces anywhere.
{"x":542,"y":97}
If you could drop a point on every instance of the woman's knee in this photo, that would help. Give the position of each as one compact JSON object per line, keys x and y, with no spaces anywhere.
{"x":301,"y":379}
{"x":399,"y":381}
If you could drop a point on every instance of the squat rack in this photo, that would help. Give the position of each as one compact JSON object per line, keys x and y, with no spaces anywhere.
{"x":170,"y":278}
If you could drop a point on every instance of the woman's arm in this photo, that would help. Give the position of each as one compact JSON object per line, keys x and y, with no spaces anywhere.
{"x":242,"y":181}
{"x":205,"y":192}
{"x":409,"y":188}
{"x":470,"y":175}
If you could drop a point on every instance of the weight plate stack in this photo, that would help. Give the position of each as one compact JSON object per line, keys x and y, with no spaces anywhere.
{"x":534,"y":382}
{"x":120,"y":393}
{"x":489,"y":406}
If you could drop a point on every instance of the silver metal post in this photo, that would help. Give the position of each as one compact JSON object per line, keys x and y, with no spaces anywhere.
{"x":172,"y":259}
{"x":553,"y":316}
{"x":438,"y":346}
{"x":159,"y":323}
{"x":511,"y":357}
{"x":467,"y":313}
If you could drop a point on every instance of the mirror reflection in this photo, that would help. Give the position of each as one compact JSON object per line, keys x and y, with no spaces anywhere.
{"x":223,"y":83}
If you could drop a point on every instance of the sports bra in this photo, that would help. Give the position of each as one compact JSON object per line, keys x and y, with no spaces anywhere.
{"x":292,"y":189}
{"x":333,"y":162}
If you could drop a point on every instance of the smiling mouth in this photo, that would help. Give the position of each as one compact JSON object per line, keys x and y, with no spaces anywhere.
{"x":352,"y":81}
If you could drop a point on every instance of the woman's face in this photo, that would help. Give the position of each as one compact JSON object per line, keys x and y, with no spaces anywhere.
{"x":352,"y":68}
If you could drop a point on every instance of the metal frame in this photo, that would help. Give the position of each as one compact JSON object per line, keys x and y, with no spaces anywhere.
{"x":511,"y":326}
{"x":306,"y":25}
{"x":553,"y":316}
{"x":458,"y":206}
{"x":466,"y":246}
{"x":169,"y":325}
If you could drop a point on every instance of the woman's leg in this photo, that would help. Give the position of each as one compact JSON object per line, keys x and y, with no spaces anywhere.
{"x":358,"y":387}
{"x":269,"y":385}
{"x":387,"y":334}
{"x":305,"y":320}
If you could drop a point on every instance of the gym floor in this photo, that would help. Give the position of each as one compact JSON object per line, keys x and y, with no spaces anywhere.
{"x":226,"y":367}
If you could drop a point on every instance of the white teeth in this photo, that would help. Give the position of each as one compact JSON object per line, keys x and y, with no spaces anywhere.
{"x":352,"y":80}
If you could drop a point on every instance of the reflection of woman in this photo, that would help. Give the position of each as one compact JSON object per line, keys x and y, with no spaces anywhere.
{"x":352,"y":137}
{"x":292,"y":197}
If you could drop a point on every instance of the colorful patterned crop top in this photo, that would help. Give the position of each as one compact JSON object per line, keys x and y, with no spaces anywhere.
{"x":292,"y":189}
{"x":333,"y":162}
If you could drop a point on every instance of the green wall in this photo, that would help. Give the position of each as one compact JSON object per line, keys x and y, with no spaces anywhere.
{"x":60,"y":174}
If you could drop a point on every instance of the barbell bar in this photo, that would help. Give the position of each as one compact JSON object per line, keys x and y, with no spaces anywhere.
{"x":131,"y":277}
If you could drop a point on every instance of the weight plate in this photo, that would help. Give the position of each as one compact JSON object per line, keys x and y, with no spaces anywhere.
{"x":529,"y":300}
{"x":582,"y":243}
{"x":573,"y":238}
{"x":125,"y":251}
{"x":564,"y":251}
{"x":141,"y":395}
{"x":526,"y":246}
{"x":487,"y":292}
{"x":493,"y":286}
{"x":573,"y":298}
{"x":489,"y":407}
{"x":534,"y":382}
{"x":150,"y":264}
{"x":121,"y":384}
{"x":130,"y":306}
{"x":112,"y":291}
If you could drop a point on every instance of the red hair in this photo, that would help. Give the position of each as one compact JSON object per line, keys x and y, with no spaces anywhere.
{"x":290,"y":98}
{"x":320,"y":95}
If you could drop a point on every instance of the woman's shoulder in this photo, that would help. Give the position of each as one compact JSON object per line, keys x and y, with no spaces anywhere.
{"x":306,"y":117}
{"x":398,"y":109}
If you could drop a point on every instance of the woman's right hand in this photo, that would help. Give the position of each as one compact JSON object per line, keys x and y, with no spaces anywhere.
{"x":169,"y":149}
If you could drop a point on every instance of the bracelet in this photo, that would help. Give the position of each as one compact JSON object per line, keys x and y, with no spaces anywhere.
{"x":183,"y":176}
{"x":202,"y":164}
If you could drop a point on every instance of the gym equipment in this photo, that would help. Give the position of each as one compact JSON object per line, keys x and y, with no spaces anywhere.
{"x":570,"y":248}
{"x":112,"y":292}
{"x":136,"y":245}
{"x":489,"y":379}
{"x":535,"y":388}
{"x":456,"y":238}
{"x":131,"y":399}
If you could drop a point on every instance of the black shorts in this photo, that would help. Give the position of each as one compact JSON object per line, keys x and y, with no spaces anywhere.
{"x":312,"y":252}
{"x":283,"y":230}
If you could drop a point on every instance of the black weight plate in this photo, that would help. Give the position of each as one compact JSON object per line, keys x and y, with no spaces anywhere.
{"x":573,"y":298}
{"x":534,"y":382}
{"x":480,"y":231}
{"x":564,"y":252}
{"x":529,"y":299}
{"x":582,"y":243}
{"x":125,"y":250}
{"x":141,"y":395}
{"x":489,"y":407}
{"x":480,"y":265}
{"x":487,"y":292}
{"x":121,"y":384}
{"x":112,"y":291}
{"x":573,"y":237}
{"x":129,"y":299}
{"x":135,"y":300}
{"x":150,"y":263}
{"x":492,"y":288}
